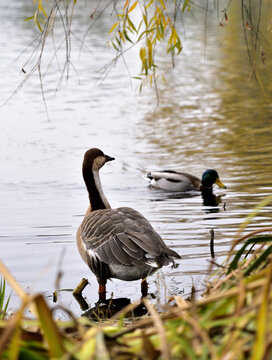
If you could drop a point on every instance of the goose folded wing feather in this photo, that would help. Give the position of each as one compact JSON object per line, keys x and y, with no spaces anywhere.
{"x":121,"y":236}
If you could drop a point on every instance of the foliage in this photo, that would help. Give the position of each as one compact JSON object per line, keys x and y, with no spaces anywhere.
{"x":153,"y":22}
{"x":3,"y":304}
{"x":156,"y":26}
{"x":39,"y":15}
{"x":233,"y":320}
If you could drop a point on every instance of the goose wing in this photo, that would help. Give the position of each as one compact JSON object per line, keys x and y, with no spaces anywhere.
{"x":122,"y":236}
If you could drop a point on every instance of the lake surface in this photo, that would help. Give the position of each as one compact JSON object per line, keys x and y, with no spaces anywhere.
{"x":209,"y":116}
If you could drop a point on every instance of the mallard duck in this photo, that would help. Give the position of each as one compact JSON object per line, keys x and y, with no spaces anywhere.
{"x":117,"y":243}
{"x":179,"y":181}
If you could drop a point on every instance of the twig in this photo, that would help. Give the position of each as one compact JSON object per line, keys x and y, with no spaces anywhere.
{"x":212,"y":243}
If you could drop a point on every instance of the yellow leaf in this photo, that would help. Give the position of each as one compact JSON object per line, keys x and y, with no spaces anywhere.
{"x":149,"y":47}
{"x":133,"y":6}
{"x":126,"y":4}
{"x":145,"y":20}
{"x":40,"y":5}
{"x":35,"y":18}
{"x":162,"y":4}
{"x":143,"y":54}
{"x":174,"y":36}
{"x":113,"y":27}
{"x":121,"y":36}
{"x":43,"y":11}
{"x":150,"y":3}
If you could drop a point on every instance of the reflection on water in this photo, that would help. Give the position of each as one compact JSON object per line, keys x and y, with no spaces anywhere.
{"x":111,"y":307}
{"x":211,"y":201}
{"x":209,"y":117}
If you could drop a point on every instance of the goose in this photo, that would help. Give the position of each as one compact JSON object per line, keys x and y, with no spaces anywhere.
{"x":117,"y":243}
{"x":179,"y":181}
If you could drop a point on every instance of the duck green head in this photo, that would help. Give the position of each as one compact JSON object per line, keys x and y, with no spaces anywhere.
{"x":211,"y":177}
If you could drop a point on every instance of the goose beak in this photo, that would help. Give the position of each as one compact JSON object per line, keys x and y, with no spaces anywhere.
{"x":109,"y":158}
{"x":220,"y":184}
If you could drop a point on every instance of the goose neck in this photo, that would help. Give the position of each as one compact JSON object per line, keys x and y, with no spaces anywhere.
{"x":97,"y":198}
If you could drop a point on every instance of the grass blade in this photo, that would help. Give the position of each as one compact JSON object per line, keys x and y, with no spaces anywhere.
{"x":259,"y":345}
{"x":49,"y":327}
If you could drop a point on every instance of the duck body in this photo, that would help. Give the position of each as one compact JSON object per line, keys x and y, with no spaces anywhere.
{"x":116,"y":243}
{"x":174,"y":181}
{"x":179,"y":181}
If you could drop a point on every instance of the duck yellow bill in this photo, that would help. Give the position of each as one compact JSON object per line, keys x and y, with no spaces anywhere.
{"x":220,"y":184}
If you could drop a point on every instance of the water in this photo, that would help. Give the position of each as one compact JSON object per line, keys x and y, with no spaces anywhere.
{"x":209,"y":117}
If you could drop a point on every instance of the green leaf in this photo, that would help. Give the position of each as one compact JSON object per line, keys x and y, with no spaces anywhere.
{"x":29,"y":18}
{"x":3,"y":304}
{"x":115,"y":47}
{"x":254,"y":240}
{"x":264,"y":255}
{"x":39,"y":26}
{"x":49,"y":327}
{"x":131,"y":24}
{"x":27,"y":354}
{"x":186,"y":4}
{"x":127,"y":37}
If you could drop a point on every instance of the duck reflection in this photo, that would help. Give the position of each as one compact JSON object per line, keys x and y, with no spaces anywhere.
{"x":211,"y":201}
{"x":162,"y":195}
{"x":109,"y":307}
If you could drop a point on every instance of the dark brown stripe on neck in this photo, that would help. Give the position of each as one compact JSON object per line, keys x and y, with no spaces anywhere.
{"x":94,"y":195}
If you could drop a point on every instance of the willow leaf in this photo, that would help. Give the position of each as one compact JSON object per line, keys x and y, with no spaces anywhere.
{"x":113,"y":27}
{"x":133,"y":6}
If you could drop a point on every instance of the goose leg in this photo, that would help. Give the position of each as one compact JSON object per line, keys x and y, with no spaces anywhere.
{"x":102,"y":292}
{"x":144,"y":287}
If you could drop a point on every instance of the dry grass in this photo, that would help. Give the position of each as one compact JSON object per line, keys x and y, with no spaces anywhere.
{"x":233,"y":320}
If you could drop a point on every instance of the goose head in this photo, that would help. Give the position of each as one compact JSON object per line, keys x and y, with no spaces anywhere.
{"x":95,"y":158}
{"x":211,"y":177}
